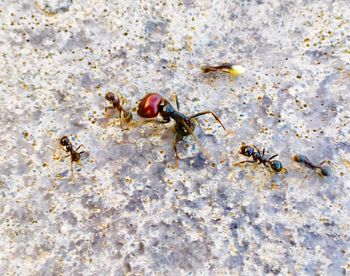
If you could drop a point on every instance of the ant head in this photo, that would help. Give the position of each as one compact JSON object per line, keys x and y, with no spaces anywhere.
{"x":110,"y":97}
{"x":300,"y":158}
{"x":150,"y":105}
{"x":247,"y":151}
{"x":276,"y":166}
{"x":65,"y":141}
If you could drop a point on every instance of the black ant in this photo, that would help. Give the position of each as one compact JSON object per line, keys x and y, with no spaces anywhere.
{"x":74,"y":154}
{"x":116,"y":105}
{"x":234,"y":70}
{"x":153,"y":104}
{"x":324,"y":170}
{"x":252,"y":151}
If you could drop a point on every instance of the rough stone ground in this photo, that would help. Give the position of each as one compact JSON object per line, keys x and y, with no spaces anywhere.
{"x":127,"y":209}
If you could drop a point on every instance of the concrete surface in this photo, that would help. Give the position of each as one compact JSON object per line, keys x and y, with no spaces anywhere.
{"x":127,"y":210}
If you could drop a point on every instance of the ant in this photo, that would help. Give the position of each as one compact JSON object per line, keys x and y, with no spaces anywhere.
{"x":74,"y":154}
{"x":252,"y":151}
{"x":116,"y":105}
{"x":154,"y":104}
{"x":324,"y":170}
{"x":234,"y":70}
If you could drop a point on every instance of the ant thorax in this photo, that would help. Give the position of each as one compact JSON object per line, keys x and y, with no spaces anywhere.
{"x":256,"y":156}
{"x":167,"y":110}
{"x":75,"y":156}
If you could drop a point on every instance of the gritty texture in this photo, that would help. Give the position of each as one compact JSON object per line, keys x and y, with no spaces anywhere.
{"x":127,"y":210}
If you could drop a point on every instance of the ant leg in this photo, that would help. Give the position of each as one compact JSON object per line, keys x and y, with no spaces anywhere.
{"x":67,"y":156}
{"x":78,"y":147}
{"x":302,"y":182}
{"x":110,"y":111}
{"x":64,"y":149}
{"x":108,"y":108}
{"x":124,"y":115}
{"x":326,"y":161}
{"x":190,"y":131}
{"x":120,"y":110}
{"x":127,"y":116}
{"x":175,"y":149}
{"x":177,"y":103}
{"x":272,"y":157}
{"x":208,"y":112}
{"x":165,"y":120}
{"x":87,"y":155}
{"x":247,"y":161}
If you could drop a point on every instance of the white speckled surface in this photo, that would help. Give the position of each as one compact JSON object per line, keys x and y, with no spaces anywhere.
{"x":128,"y":210}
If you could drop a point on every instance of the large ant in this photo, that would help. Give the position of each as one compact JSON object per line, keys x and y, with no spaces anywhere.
{"x":324,"y":170}
{"x":234,"y":70}
{"x":153,"y":104}
{"x":252,"y":151}
{"x":116,"y":105}
{"x":74,"y":154}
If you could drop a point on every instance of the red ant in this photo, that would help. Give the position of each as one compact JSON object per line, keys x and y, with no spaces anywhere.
{"x":116,"y":105}
{"x":252,"y":151}
{"x":74,"y":154}
{"x":325,"y":171}
{"x":153,"y":104}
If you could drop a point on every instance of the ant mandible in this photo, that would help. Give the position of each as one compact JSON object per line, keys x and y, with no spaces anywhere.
{"x":252,"y":151}
{"x":74,"y":154}
{"x":153,"y":104}
{"x":116,"y":105}
{"x":324,"y":170}
{"x":234,"y":70}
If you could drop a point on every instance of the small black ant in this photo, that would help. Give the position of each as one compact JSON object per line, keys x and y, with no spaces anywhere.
{"x":234,"y":70}
{"x":74,"y":154}
{"x":324,"y":170}
{"x":153,"y":104}
{"x":116,"y":105}
{"x":252,"y":151}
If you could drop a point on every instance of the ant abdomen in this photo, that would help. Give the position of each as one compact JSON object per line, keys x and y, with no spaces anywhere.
{"x":150,"y":105}
{"x":325,"y":171}
{"x":276,"y":166}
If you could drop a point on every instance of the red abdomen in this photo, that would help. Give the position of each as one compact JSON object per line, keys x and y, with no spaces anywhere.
{"x":149,"y":106}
